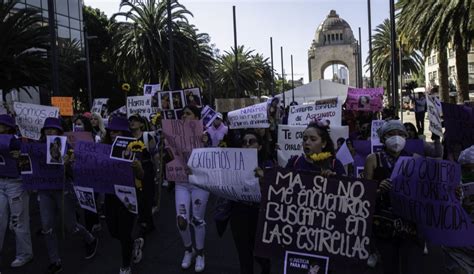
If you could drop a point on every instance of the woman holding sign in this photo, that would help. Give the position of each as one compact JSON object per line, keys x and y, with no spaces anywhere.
{"x":400,"y":252}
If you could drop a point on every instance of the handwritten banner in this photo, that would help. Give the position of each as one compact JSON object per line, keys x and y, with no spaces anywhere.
{"x":290,"y":140}
{"x":459,"y":124}
{"x":434,"y":114}
{"x":8,"y":165}
{"x":182,"y":137}
{"x":43,"y":176}
{"x":140,"y":105}
{"x":255,"y":116}
{"x":325,"y":109}
{"x":30,"y":118}
{"x":226,"y":172}
{"x":93,"y":168}
{"x":307,"y":213}
{"x":424,"y":192}
{"x":64,"y":104}
{"x":364,"y":99}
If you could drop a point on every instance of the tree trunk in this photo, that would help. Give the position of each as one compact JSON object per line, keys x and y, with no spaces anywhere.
{"x":462,"y":79}
{"x":388,"y":92}
{"x":443,"y":74}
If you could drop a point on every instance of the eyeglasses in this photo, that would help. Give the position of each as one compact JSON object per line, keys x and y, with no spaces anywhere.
{"x":249,"y":142}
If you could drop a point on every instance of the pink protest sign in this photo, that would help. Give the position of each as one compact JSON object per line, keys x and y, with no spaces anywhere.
{"x":181,"y":137}
{"x":364,"y":99}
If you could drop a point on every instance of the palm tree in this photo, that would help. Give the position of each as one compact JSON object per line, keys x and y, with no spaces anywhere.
{"x":23,"y":47}
{"x":435,"y":24}
{"x":141,"y":45}
{"x":412,"y":61}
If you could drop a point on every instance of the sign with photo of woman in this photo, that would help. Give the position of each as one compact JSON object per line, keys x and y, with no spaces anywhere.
{"x":55,"y":148}
{"x":121,"y":151}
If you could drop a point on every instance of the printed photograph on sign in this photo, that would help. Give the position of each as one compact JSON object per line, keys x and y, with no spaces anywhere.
{"x":178,"y":100}
{"x":128,"y":196}
{"x":304,"y":263}
{"x":24,"y":162}
{"x":170,"y":115}
{"x":55,"y":149}
{"x":193,"y":97}
{"x":164,"y":100}
{"x":208,"y":116}
{"x":104,"y":111}
{"x":85,"y":197}
{"x":121,"y":150}
{"x":364,"y":102}
{"x":151,"y":89}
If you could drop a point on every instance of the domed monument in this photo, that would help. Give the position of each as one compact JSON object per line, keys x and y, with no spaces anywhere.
{"x":334,"y":44}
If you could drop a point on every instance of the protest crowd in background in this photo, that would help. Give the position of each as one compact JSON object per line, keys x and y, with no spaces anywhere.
{"x":338,"y":185}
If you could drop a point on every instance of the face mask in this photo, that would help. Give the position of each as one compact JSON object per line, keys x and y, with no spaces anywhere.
{"x":78,"y":128}
{"x":395,"y":143}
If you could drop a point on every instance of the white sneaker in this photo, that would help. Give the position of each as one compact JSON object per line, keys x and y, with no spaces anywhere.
{"x":372,"y":260}
{"x":200,"y":263}
{"x":137,"y":253}
{"x":127,"y":270}
{"x":187,"y":259}
{"x":21,"y":261}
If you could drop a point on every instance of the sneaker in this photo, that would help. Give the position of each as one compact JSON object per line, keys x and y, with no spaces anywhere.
{"x":200,"y":263}
{"x":187,"y":259}
{"x":137,"y":252}
{"x":96,"y":228}
{"x":91,"y":249}
{"x":372,"y":260}
{"x":21,"y":261}
{"x":54,"y":268}
{"x":127,"y":270}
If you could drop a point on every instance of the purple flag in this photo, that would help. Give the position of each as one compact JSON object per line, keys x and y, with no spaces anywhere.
{"x":43,"y":176}
{"x":364,"y":99}
{"x":93,"y":168}
{"x":8,"y":165}
{"x":424,"y":192}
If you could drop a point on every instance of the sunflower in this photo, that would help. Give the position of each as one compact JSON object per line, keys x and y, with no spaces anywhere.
{"x":136,"y":146}
{"x":126,"y":87}
{"x":316,"y":157}
{"x":155,"y":119}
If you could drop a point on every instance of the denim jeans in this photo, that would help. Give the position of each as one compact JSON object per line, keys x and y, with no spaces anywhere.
{"x":14,"y":201}
{"x":51,"y":202}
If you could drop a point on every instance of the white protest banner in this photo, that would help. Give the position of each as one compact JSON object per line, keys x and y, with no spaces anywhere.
{"x":97,"y":105}
{"x":255,"y":116}
{"x":150,"y":89}
{"x":290,"y":140}
{"x":128,"y":196}
{"x":85,"y":197}
{"x":434,"y":114}
{"x":30,"y":118}
{"x":140,"y":105}
{"x":226,"y":172}
{"x":324,"y":109}
{"x":376,"y":145}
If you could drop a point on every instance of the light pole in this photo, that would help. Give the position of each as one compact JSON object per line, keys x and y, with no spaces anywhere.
{"x":171,"y":47}
{"x":53,"y":54}
{"x":88,"y":66}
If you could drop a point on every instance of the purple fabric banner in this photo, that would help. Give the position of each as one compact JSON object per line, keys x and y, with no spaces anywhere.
{"x":93,"y":168}
{"x":43,"y":176}
{"x":8,"y":165}
{"x":364,"y":99}
{"x":459,"y":124}
{"x":424,"y":192}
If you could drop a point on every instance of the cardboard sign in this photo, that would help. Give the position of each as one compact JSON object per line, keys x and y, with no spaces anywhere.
{"x":208,"y":115}
{"x":364,"y":99}
{"x":64,"y":104}
{"x":255,"y":116}
{"x":326,"y":109}
{"x":434,"y":114}
{"x":307,"y":213}
{"x":100,"y":106}
{"x":120,"y":150}
{"x":151,"y":89}
{"x":128,"y":196}
{"x":226,"y":172}
{"x":375,"y":143}
{"x":30,"y":118}
{"x":140,"y":105}
{"x":42,"y":175}
{"x":424,"y":192}
{"x":182,"y":137}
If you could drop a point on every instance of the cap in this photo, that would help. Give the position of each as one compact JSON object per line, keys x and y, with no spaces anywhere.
{"x":389,"y":126}
{"x":467,"y":156}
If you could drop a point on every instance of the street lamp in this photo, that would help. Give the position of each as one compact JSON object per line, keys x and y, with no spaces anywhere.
{"x":88,"y":66}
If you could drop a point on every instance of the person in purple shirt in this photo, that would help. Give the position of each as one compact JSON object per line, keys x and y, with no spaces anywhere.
{"x":319,"y":153}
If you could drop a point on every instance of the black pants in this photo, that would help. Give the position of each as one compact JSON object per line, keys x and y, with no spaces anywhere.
{"x":146,"y":198}
{"x":243,"y":223}
{"x":91,"y":218}
{"x":420,"y":122}
{"x":120,"y":223}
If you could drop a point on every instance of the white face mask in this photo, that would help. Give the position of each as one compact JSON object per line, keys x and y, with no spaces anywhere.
{"x":395,"y":143}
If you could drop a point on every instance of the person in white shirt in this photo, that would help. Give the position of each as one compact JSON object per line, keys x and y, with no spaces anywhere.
{"x":217,"y":130}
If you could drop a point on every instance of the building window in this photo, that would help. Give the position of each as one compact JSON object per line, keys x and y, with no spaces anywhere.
{"x":430,"y":75}
{"x":451,"y":70}
{"x":471,"y":67}
{"x":61,"y":7}
{"x":435,"y":75}
{"x":435,"y":60}
{"x":429,"y":60}
{"x":450,"y":53}
{"x":332,"y":37}
{"x":74,"y":9}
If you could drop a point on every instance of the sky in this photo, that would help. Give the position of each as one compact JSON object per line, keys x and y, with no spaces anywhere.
{"x":291,"y":23}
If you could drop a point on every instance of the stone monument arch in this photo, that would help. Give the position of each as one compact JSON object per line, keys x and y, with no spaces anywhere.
{"x":334,"y":43}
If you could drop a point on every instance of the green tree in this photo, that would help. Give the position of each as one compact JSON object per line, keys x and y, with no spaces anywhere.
{"x":23,"y":48}
{"x":436,"y":24}
{"x":141,"y":45}
{"x":412,"y":61}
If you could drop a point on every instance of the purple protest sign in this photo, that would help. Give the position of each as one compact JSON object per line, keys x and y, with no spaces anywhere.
{"x":459,"y":124}
{"x":424,"y":192}
{"x":8,"y":165}
{"x":43,"y":176}
{"x":93,"y":168}
{"x":181,"y":137}
{"x":76,"y":136}
{"x":364,"y":99}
